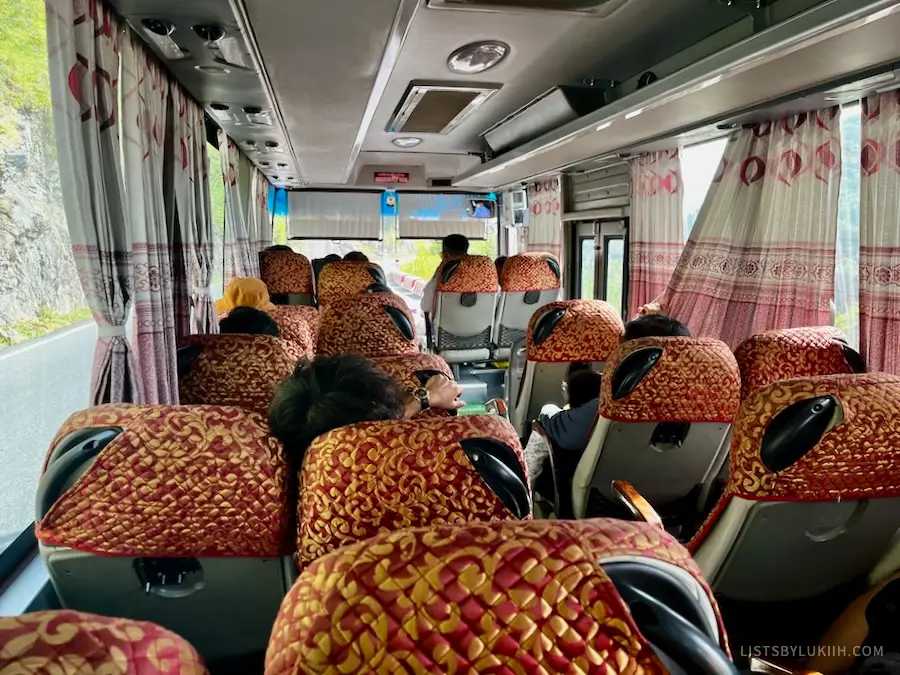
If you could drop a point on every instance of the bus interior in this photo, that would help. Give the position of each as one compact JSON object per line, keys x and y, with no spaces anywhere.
{"x":731,"y":164}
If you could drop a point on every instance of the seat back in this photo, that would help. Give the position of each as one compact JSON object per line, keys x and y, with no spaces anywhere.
{"x":503,"y":597}
{"x":298,"y":324}
{"x":380,"y":476}
{"x":239,"y":370}
{"x":465,"y":300}
{"x":371,"y":324}
{"x":560,"y":334}
{"x":794,"y":352}
{"x":814,"y":475}
{"x":341,"y":280}
{"x":170,"y":514}
{"x":288,"y":276}
{"x":528,"y":282}
{"x":413,"y":371}
{"x":64,"y":641}
{"x":666,"y":407}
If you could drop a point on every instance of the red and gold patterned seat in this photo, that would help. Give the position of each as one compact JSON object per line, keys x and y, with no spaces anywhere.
{"x":413,"y":371}
{"x":240,"y":370}
{"x":787,"y":354}
{"x":815,"y":476}
{"x":374,"y":477}
{"x":559,"y":334}
{"x":465,"y":301}
{"x":372,"y":324}
{"x":298,"y":324}
{"x":666,"y":407}
{"x":528,"y":282}
{"x":504,"y":597}
{"x":71,"y":642}
{"x":341,"y":280}
{"x":141,"y":503}
{"x":288,"y":276}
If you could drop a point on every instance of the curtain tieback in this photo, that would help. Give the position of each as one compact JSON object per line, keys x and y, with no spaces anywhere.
{"x":110,"y":332}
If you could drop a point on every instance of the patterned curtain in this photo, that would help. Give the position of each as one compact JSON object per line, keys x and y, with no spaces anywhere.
{"x":879,"y":233}
{"x":145,"y":101}
{"x":656,"y":231}
{"x":260,"y":218}
{"x":761,"y":254}
{"x":83,"y":40}
{"x":191,"y":187}
{"x":544,"y":233}
{"x":240,"y":258}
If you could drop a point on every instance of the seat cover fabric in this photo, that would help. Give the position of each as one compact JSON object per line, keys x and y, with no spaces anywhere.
{"x":588,"y":331}
{"x":695,"y":380}
{"x":787,"y":354}
{"x":471,"y":274}
{"x":363,"y":325}
{"x":505,"y":597}
{"x":340,"y":280}
{"x":529,"y":272}
{"x":373,"y":477}
{"x":64,"y":642}
{"x":286,"y":273}
{"x":239,"y":370}
{"x":198,"y":481}
{"x":298,"y":324}
{"x":404,"y":369}
{"x":857,"y":459}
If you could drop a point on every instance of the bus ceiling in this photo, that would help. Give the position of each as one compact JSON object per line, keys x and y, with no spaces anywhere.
{"x":481,"y":94}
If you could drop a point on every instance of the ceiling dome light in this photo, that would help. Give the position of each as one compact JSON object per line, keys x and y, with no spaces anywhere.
{"x":406,"y":141}
{"x":477,"y":57}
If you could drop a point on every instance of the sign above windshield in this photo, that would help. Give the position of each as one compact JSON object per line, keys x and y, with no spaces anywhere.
{"x":391,"y":177}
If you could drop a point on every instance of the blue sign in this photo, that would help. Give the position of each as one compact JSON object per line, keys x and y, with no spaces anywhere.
{"x":278,"y":203}
{"x":389,"y":203}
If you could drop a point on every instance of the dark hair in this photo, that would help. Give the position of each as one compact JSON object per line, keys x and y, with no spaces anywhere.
{"x":500,"y":262}
{"x":583,"y":386}
{"x":356,"y":256}
{"x":330,"y":392}
{"x":455,"y":244}
{"x":250,"y":321}
{"x":279,"y":247}
{"x":654,"y":325}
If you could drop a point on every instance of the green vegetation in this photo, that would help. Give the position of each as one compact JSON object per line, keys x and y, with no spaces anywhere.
{"x":47,"y":321}
{"x":23,"y":56}
{"x":426,"y":256}
{"x":279,"y":236}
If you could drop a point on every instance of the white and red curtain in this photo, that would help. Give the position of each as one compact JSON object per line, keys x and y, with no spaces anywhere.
{"x":191,"y":186}
{"x":259,"y":218}
{"x":84,"y":41}
{"x":656,"y":230}
{"x":544,"y":233}
{"x":145,"y":107}
{"x":762,"y":252}
{"x":241,"y":259}
{"x":879,"y":233}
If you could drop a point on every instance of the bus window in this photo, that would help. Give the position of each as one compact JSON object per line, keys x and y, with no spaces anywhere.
{"x":217,"y":212}
{"x":698,"y":167}
{"x":47,"y":337}
{"x":614,"y":271}
{"x":846,"y":272}
{"x":587,"y":268}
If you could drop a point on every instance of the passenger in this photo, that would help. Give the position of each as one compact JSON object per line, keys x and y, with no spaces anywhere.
{"x":356,"y":256}
{"x":453,"y":247}
{"x":335,"y":391}
{"x":500,"y":262}
{"x":278,"y":247}
{"x":249,"y":321}
{"x":244,"y":292}
{"x":570,"y":429}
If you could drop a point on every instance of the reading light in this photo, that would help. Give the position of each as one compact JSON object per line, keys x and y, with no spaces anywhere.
{"x":209,"y":32}
{"x":406,"y":141}
{"x":477,"y":57}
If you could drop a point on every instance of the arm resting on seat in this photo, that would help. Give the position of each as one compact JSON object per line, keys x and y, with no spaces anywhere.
{"x":497,"y":406}
{"x":626,"y":493}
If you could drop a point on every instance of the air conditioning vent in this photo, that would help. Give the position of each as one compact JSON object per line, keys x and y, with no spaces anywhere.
{"x":599,"y":8}
{"x":429,"y":108}
{"x":440,"y":182}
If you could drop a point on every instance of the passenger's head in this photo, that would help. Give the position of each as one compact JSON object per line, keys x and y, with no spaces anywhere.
{"x":249,"y":321}
{"x":244,"y":292}
{"x":356,"y":256}
{"x":454,"y":246}
{"x":500,"y":262}
{"x":583,"y":386}
{"x":330,"y":392}
{"x":654,"y":325}
{"x":279,"y":247}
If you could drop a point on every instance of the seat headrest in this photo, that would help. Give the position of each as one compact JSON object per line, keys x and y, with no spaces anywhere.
{"x":340,"y":280}
{"x":574,"y":330}
{"x":298,"y":324}
{"x":787,"y":354}
{"x":499,"y":596}
{"x":373,"y":324}
{"x":671,"y":379}
{"x":183,"y":481}
{"x":469,"y":274}
{"x":530,"y":272}
{"x":286,"y":272}
{"x":406,"y":473}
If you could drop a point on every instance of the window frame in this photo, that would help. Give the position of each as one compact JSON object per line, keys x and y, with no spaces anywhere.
{"x":19,"y":551}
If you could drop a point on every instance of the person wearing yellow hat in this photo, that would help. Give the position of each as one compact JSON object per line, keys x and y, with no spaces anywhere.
{"x":244,"y":292}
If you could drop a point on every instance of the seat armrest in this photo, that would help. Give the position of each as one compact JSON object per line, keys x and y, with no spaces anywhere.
{"x":497,"y":406}
{"x":771,"y":667}
{"x":628,"y":495}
